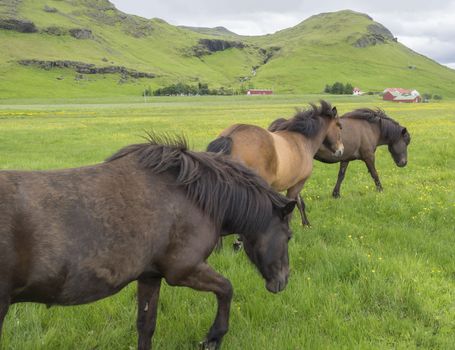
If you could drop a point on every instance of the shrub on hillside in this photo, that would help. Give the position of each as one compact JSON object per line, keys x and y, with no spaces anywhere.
{"x":185,"y":89}
{"x":339,"y":88}
{"x":428,"y":96}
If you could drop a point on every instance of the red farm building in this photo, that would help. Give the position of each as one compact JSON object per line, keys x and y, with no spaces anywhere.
{"x":401,"y":95}
{"x":259,"y":92}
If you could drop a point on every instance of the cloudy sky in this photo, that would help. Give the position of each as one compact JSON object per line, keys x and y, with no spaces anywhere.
{"x":427,"y":27}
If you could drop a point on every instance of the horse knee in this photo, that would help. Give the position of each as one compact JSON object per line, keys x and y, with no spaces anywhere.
{"x":227,"y":291}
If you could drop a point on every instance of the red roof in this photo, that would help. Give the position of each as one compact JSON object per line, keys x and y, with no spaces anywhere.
{"x":259,"y":92}
{"x":400,"y":90}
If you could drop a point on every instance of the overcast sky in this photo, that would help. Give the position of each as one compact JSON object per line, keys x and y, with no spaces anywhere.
{"x":426,"y":26}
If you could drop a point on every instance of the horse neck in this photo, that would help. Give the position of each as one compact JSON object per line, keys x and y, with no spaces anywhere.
{"x":314,"y":143}
{"x":381,"y":138}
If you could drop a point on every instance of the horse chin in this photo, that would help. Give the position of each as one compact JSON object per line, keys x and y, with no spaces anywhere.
{"x":339,"y":152}
{"x":401,"y":163}
{"x":276,"y":285}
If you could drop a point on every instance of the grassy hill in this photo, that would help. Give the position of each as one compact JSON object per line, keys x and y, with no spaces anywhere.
{"x":62,"y":43}
{"x":348,"y":47}
{"x":217,"y":31}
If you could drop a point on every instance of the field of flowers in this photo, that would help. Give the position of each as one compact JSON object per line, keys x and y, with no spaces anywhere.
{"x":375,"y":270}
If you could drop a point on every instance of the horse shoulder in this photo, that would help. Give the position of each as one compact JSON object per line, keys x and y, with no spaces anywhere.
{"x":352,"y":137}
{"x":368,"y":135}
{"x":193,"y":238}
{"x":295,"y":161}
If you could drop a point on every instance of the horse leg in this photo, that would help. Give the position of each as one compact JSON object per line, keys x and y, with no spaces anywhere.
{"x":294,"y":193}
{"x":219,"y":244}
{"x":374,"y":174}
{"x":204,"y":278}
{"x":148,"y":292}
{"x":301,"y":206}
{"x":4,"y":306}
{"x":237,"y":245}
{"x":341,"y":174}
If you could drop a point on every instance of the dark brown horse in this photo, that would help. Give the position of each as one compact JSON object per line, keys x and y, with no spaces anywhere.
{"x":151,"y":211}
{"x":363,"y":131}
{"x":284,"y":157}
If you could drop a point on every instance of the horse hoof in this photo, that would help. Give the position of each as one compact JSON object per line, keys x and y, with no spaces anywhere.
{"x":336,"y":195}
{"x":237,"y":246}
{"x":206,"y":345}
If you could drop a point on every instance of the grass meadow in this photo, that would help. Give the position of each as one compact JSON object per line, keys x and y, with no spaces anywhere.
{"x":375,"y":270}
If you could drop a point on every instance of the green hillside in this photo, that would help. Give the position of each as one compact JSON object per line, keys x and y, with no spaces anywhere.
{"x":348,"y":46}
{"x":217,"y":31}
{"x":80,"y":48}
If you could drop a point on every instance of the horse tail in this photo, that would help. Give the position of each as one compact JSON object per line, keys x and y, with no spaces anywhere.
{"x":222,"y":144}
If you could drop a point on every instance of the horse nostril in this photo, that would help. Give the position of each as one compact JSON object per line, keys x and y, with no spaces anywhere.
{"x":402,"y":163}
{"x":339,"y":152}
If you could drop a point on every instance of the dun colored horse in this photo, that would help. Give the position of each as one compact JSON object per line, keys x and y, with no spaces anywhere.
{"x":151,"y":211}
{"x":283,"y":155}
{"x":363,"y":131}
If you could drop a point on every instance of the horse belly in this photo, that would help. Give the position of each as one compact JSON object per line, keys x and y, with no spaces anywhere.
{"x":51,"y":292}
{"x":75,"y":284}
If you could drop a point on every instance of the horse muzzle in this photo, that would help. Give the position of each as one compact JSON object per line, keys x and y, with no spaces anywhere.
{"x":339,"y":152}
{"x":276,"y":285}
{"x":402,"y":163}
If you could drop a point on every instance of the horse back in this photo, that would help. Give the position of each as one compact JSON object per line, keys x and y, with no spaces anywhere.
{"x":255,"y":148}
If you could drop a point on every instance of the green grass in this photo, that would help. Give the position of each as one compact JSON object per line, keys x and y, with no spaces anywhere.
{"x":312,"y":54}
{"x":375,"y":271}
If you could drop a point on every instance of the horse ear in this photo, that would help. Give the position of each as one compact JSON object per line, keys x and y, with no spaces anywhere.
{"x":288,"y":208}
{"x":404,"y":131}
{"x":334,"y":111}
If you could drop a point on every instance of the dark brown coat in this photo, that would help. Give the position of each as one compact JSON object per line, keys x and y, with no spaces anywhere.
{"x":363,"y":131}
{"x":151,"y":211}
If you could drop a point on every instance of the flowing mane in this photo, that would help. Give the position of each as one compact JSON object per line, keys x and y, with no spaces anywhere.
{"x":390,"y":129}
{"x":234,"y":197}
{"x":306,"y":121}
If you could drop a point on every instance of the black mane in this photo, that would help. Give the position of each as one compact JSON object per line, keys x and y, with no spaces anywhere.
{"x":306,"y":121}
{"x":390,"y":129}
{"x":276,"y":124}
{"x":234,"y":197}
